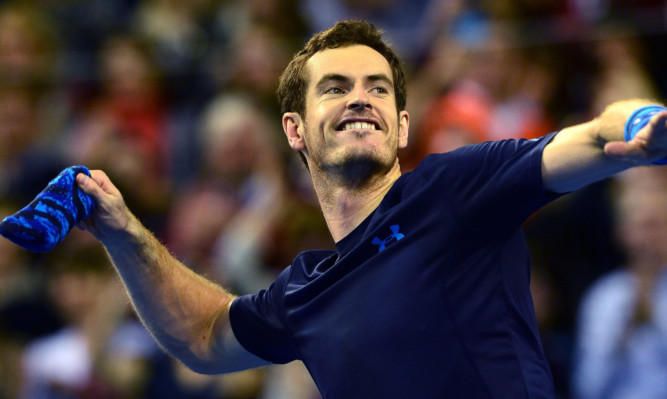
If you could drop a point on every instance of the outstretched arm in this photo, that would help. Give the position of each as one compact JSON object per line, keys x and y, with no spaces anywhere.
{"x":187,"y":314}
{"x":583,"y":154}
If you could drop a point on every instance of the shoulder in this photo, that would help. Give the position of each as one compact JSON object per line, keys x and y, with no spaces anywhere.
{"x":614,"y":281}
{"x":309,"y":264}
{"x":488,"y":153}
{"x":613,"y":291}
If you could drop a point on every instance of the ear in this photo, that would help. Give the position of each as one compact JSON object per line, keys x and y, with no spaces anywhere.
{"x":403,"y":125}
{"x":293,"y":127}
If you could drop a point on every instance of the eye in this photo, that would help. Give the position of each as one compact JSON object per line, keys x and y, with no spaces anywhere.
{"x":380,"y":90}
{"x":334,"y":90}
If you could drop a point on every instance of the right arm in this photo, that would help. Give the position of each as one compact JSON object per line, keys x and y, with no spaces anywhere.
{"x":187,"y":314}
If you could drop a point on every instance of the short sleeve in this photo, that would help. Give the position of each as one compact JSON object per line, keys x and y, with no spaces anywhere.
{"x":494,"y":186}
{"x":258,"y":322}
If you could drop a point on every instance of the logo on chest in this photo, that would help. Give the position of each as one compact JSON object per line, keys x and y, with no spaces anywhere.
{"x":395,"y":236}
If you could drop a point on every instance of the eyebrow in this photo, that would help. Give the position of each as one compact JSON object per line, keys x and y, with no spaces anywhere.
{"x":337,"y":77}
{"x":380,"y":77}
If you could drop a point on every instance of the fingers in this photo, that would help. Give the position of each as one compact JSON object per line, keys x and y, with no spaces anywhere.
{"x":111,"y":215}
{"x":648,"y":145}
{"x":660,"y":117}
{"x":88,"y":185}
{"x":620,"y":150}
{"x":658,"y":124}
{"x":104,"y":182}
{"x":97,"y":184}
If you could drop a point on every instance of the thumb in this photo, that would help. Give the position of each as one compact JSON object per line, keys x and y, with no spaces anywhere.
{"x":624,"y":151}
{"x":88,"y":185}
{"x":111,"y":215}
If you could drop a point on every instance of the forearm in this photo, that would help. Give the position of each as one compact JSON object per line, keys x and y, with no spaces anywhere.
{"x":576,"y":157}
{"x":187,"y":314}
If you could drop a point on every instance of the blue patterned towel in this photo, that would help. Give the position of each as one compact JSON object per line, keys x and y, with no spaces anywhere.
{"x":45,"y":221}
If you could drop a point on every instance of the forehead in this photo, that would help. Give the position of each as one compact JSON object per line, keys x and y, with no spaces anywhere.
{"x":353,"y":61}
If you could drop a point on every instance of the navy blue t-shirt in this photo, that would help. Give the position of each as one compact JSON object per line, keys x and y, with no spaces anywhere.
{"x":428,"y":297}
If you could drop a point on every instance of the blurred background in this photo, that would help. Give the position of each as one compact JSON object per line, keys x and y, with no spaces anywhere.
{"x":174,"y":99}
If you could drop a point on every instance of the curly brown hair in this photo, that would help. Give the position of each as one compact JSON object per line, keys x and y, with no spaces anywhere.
{"x":294,"y":81}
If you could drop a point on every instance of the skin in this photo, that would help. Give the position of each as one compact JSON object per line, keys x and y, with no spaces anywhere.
{"x":352,"y":170}
{"x":592,"y":151}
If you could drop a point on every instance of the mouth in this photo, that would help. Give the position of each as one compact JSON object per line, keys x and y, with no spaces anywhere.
{"x":358,"y":124}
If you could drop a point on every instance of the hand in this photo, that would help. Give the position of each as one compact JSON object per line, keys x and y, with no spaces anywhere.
{"x":648,"y":146}
{"x":111,"y":217}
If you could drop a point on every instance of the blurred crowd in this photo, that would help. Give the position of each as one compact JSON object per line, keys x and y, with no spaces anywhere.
{"x":175,"y":100}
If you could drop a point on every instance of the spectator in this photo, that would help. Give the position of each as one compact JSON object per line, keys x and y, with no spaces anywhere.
{"x":24,"y":313}
{"x":238,"y":195}
{"x":27,"y":161}
{"x":458,"y":117}
{"x":621,"y":348}
{"x":28,"y":45}
{"x":403,"y":21}
{"x":98,"y":353}
{"x":126,"y":128}
{"x":181,"y":35}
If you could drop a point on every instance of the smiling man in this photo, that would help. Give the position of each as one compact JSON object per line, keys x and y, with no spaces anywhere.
{"x":352,"y":111}
{"x":351,"y":133}
{"x":427,"y":294}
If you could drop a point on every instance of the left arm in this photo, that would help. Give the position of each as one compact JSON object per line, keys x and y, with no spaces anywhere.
{"x":583,"y":154}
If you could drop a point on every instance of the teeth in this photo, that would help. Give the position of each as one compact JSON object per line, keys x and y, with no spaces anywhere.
{"x":358,"y":125}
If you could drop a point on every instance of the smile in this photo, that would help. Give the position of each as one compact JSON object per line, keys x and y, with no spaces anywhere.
{"x":358,"y":125}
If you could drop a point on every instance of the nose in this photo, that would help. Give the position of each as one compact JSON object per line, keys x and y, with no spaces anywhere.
{"x":359,"y":100}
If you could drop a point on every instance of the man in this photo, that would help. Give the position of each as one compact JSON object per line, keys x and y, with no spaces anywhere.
{"x":427,"y":295}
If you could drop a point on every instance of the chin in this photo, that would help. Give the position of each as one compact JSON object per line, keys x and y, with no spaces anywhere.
{"x":357,"y":168}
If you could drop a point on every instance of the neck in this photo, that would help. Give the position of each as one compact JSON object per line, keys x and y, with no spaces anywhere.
{"x":346,"y":203}
{"x":646,"y":263}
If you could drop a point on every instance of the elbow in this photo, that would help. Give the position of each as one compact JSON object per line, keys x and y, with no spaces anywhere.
{"x":201,"y":344}
{"x":220,"y":361}
{"x":198,"y":353}
{"x":197,"y":361}
{"x":202,"y":367}
{"x":217,"y":354}
{"x":205,"y":354}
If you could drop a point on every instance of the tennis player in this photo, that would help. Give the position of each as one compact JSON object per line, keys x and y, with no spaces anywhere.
{"x":427,"y":294}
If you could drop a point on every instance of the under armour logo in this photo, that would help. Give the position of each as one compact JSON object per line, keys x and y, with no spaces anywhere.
{"x":395,"y":236}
